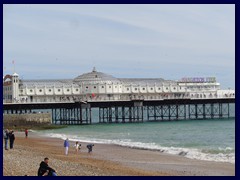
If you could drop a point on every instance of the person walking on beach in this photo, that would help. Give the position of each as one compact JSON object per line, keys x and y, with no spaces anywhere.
{"x":26,"y":133}
{"x":66,"y":146}
{"x":11,"y":139}
{"x":6,"y":137}
{"x":45,"y":170}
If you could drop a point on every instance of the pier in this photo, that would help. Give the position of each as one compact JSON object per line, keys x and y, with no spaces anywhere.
{"x":118,"y":100}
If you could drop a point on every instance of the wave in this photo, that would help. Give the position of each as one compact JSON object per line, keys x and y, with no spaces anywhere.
{"x":221,"y":155}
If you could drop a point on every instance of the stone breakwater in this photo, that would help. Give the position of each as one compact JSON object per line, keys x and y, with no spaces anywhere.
{"x":26,"y":119}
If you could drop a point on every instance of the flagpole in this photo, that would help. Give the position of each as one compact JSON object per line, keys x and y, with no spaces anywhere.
{"x":13,"y":66}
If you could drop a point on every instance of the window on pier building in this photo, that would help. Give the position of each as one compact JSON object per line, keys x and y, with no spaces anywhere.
{"x":136,"y":89}
{"x":159,"y":88}
{"x":49,"y":90}
{"x":151,"y":88}
{"x":102,"y":87}
{"x":59,"y":90}
{"x":68,"y":90}
{"x":76,"y":89}
{"x":31,"y":90}
{"x":40,"y":90}
{"x":110,"y":86}
{"x":143,"y":89}
{"x":94,"y":87}
{"x":127,"y":89}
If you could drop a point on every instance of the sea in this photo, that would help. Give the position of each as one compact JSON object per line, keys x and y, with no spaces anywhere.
{"x":210,"y":140}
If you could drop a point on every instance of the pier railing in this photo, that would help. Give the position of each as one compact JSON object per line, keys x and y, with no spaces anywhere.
{"x":131,"y":97}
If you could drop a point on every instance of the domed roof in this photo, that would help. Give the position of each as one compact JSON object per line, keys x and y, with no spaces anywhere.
{"x":15,"y":74}
{"x":95,"y":77}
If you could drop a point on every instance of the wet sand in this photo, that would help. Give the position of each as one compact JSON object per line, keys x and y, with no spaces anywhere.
{"x":105,"y":160}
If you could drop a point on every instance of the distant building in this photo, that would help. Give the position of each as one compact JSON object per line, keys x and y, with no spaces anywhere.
{"x":98,"y":86}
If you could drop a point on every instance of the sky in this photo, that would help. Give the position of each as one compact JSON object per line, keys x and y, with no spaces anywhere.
{"x":127,"y":41}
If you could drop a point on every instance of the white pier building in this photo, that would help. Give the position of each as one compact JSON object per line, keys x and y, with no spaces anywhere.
{"x":98,"y":86}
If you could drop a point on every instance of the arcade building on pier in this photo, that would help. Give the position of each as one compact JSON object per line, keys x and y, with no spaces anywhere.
{"x":99,"y":86}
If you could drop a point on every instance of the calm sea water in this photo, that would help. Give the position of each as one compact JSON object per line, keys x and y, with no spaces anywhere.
{"x":212,"y":140}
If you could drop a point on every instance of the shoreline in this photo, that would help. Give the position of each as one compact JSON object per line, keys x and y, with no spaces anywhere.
{"x":106,"y":159}
{"x":188,"y":153}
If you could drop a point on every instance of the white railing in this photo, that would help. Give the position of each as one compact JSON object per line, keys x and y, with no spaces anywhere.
{"x":64,"y":99}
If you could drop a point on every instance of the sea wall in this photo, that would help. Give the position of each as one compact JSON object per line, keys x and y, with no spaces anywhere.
{"x":26,"y":119}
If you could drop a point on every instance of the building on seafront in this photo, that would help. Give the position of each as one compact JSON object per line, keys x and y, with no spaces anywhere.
{"x":98,"y":86}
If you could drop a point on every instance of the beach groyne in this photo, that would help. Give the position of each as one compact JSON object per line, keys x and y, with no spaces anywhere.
{"x":30,"y":119}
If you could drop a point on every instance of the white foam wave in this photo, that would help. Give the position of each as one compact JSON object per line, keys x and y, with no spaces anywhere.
{"x":186,"y":152}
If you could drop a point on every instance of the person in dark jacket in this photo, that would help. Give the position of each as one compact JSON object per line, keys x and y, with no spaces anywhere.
{"x":11,"y":139}
{"x":90,"y":146}
{"x":6,"y":137}
{"x":45,"y":170}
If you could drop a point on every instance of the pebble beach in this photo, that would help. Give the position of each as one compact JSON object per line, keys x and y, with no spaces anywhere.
{"x":105,"y":160}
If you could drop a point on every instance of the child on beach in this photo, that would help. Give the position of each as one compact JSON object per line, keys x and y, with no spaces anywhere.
{"x":77,"y":147}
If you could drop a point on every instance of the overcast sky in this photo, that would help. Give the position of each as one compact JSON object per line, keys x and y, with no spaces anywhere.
{"x":151,"y":41}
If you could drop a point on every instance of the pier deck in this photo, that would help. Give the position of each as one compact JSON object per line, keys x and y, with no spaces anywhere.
{"x":128,"y":111}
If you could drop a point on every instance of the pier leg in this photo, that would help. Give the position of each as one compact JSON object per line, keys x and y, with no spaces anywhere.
{"x":228,"y":111}
{"x":155,"y":116}
{"x":130,"y":114}
{"x":177,"y":115}
{"x":212,"y":112}
{"x":196,"y":111}
{"x":123,"y":114}
{"x":116,"y":114}
{"x":220,"y":110}
{"x":169,"y":112}
{"x":204,"y":113}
